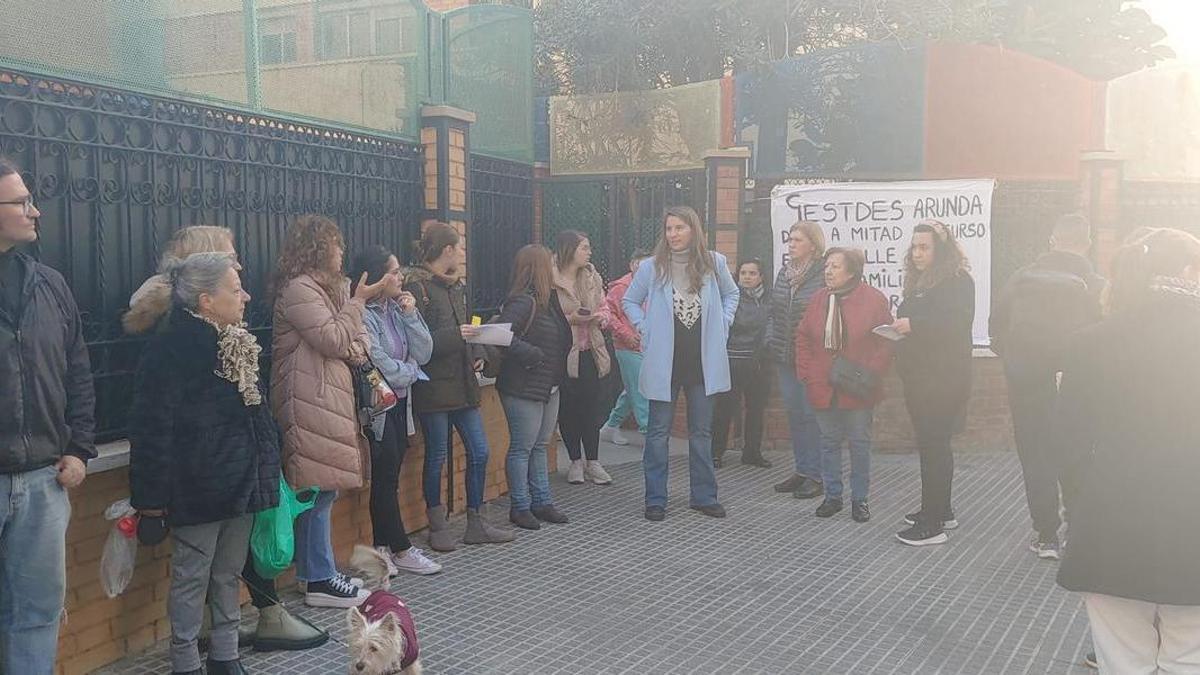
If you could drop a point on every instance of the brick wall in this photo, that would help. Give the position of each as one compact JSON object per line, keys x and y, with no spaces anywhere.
{"x":99,"y":631}
{"x":989,"y":424}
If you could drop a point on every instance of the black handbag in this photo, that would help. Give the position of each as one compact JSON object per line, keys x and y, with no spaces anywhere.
{"x":852,"y":379}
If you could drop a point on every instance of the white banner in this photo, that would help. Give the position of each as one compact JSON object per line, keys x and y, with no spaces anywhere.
{"x":879,"y":218}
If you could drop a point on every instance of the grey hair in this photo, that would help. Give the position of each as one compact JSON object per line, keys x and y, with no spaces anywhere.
{"x":195,"y":275}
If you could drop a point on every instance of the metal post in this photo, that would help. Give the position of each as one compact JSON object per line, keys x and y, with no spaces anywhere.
{"x":250,"y":28}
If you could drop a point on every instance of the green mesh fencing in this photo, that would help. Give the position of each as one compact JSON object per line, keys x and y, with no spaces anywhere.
{"x":489,"y":69}
{"x":361,"y":64}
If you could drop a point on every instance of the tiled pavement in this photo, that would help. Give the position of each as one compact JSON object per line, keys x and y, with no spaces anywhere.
{"x":771,"y":589}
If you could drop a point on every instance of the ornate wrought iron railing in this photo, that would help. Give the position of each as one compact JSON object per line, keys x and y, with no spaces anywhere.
{"x":114,"y":173}
{"x":502,"y":222}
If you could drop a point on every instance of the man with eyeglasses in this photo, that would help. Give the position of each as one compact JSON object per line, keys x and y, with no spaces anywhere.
{"x":46,"y":422}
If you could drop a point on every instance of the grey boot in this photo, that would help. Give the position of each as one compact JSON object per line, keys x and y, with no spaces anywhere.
{"x":440,"y":536}
{"x":480,"y":531}
{"x":279,"y":630}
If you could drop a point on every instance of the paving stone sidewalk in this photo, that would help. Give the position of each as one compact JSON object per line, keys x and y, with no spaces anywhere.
{"x":770,"y":589}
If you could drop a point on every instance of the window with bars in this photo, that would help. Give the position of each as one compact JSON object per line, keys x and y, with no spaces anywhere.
{"x":344,"y":35}
{"x":276,"y":48}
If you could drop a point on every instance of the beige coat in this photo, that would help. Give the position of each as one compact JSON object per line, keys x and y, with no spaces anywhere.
{"x":587,"y":291}
{"x":312,"y":391}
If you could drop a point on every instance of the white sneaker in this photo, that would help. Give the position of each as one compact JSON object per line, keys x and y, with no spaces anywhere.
{"x":349,"y":579}
{"x":575,"y":473}
{"x":613,"y":435}
{"x":596,"y":473}
{"x":388,"y":558}
{"x":414,"y":561}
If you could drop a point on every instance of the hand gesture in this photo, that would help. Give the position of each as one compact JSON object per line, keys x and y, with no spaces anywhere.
{"x":468,"y":331}
{"x":71,"y":471}
{"x":367,"y":293}
{"x":407,"y":301}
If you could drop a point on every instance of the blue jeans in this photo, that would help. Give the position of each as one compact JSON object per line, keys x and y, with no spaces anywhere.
{"x":34,"y":511}
{"x":802,"y":423}
{"x":436,"y":427}
{"x":631,"y":396}
{"x":700,"y":463}
{"x":530,"y":426}
{"x":314,"y":545}
{"x":839,"y":427}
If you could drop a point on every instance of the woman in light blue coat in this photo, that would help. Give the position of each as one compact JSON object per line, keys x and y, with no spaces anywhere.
{"x":690,"y":299}
{"x":400,"y":344}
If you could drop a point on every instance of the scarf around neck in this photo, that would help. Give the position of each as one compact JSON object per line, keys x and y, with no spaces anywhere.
{"x":835,"y":327}
{"x":798,"y":272}
{"x":685,"y":301}
{"x":237,"y":355}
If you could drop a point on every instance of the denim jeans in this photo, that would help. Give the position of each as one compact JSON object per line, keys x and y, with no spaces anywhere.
{"x":436,"y":427}
{"x":700,"y":464}
{"x":802,"y":423}
{"x":530,"y":426}
{"x":839,"y":427}
{"x":34,"y":511}
{"x":631,"y":398}
{"x":314,"y":545}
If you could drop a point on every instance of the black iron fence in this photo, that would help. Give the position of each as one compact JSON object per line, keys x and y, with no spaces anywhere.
{"x":1160,"y":204}
{"x":502,"y":222}
{"x":114,"y":173}
{"x":618,"y":213}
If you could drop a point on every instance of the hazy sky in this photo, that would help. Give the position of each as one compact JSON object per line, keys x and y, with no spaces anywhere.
{"x":1181,"y":19}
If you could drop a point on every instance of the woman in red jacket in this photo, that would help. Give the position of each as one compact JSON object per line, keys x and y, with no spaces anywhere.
{"x":838,"y":326}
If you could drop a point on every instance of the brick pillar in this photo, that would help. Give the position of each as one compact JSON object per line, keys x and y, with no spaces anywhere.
{"x":1101,"y":174}
{"x":446,"y":138}
{"x":726,"y":175}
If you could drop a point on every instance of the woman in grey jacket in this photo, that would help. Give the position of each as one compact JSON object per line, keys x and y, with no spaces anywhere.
{"x":400,"y":345}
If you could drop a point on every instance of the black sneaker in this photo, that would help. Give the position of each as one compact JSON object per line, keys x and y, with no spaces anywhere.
{"x":790,"y":484}
{"x":656,"y":513}
{"x":948,"y":524}
{"x":233,"y":667}
{"x":711,"y":510}
{"x":809,"y":489}
{"x":548,"y":514}
{"x":523,"y":519}
{"x":922,"y":534}
{"x":335,"y":592}
{"x":859,"y":510}
{"x":1090,"y":661}
{"x":755,"y":459}
{"x":830,"y":506}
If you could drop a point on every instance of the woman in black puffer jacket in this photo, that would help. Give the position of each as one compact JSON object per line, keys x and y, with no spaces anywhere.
{"x":534,"y":367}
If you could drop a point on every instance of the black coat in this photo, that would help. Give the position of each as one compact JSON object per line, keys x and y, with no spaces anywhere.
{"x":787,"y":309}
{"x":934,"y":361}
{"x":196,"y":449}
{"x":536,"y":362}
{"x":47,"y":403}
{"x":1130,"y":455}
{"x":452,"y":383}
{"x":748,"y":334}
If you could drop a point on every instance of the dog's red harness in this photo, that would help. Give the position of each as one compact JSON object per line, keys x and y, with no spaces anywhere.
{"x":381,"y":603}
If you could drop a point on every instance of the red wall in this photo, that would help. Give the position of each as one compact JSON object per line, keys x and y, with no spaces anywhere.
{"x":996,"y":113}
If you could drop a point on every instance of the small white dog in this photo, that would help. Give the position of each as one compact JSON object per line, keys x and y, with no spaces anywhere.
{"x":369,"y":565}
{"x":383,"y":637}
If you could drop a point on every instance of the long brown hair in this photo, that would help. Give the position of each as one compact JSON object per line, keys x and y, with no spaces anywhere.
{"x":533,"y":270}
{"x":153,"y":306}
{"x":565,"y":245}
{"x":700,"y":262}
{"x":948,"y":259}
{"x":1164,"y":252}
{"x":306,"y":248}
{"x":434,"y":240}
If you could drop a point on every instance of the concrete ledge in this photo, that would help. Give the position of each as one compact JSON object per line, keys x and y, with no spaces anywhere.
{"x":111,"y":456}
{"x":728,"y":153}
{"x":448,"y":111}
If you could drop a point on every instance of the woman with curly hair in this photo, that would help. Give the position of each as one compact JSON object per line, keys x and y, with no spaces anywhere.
{"x":318,"y":335}
{"x":934,"y":364}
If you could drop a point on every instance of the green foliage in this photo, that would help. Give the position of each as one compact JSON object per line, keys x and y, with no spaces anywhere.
{"x":611,"y":45}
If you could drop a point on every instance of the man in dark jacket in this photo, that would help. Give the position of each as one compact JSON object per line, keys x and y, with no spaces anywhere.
{"x":46,"y":423}
{"x":1040,"y":307}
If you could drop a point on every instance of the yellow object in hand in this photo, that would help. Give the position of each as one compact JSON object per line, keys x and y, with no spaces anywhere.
{"x":476,"y":321}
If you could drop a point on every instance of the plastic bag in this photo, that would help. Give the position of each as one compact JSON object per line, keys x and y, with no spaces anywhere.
{"x":273,"y":539}
{"x":120,"y":550}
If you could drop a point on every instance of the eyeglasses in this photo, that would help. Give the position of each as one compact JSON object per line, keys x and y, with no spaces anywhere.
{"x":26,"y":205}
